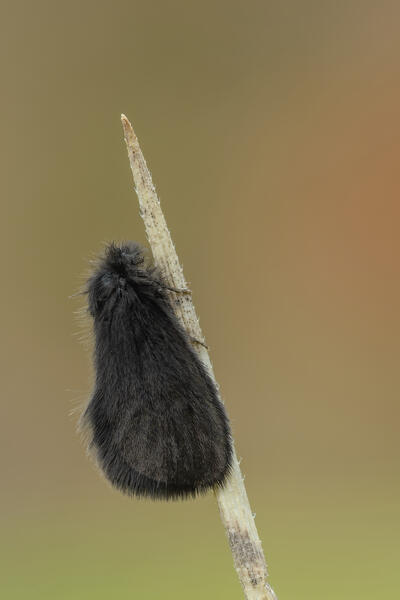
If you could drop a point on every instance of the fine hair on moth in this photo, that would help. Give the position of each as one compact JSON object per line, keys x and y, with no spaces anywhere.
{"x":154,"y":421}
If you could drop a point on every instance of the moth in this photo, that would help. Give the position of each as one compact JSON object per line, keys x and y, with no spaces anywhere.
{"x":155,"y":422}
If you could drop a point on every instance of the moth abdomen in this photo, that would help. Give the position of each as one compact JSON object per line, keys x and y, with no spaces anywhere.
{"x":156,"y":423}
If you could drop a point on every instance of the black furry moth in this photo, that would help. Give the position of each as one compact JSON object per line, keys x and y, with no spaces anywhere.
{"x":155,"y":422}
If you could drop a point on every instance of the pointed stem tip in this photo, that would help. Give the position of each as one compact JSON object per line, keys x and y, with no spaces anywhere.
{"x":129,"y":134}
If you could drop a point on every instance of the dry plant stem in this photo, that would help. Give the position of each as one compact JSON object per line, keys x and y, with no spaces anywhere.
{"x":233,"y":503}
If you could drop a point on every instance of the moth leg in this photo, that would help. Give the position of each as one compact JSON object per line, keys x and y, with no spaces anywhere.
{"x":177,"y":290}
{"x":196,"y":341}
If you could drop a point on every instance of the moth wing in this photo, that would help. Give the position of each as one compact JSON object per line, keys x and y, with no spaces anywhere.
{"x":171,"y":443}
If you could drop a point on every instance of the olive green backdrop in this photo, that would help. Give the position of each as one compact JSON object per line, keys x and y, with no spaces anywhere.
{"x":273,"y":133}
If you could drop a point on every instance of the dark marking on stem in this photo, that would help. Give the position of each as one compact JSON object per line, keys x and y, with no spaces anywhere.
{"x":249,"y":556}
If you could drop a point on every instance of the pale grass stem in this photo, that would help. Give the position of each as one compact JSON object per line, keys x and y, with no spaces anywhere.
{"x":236,"y":514}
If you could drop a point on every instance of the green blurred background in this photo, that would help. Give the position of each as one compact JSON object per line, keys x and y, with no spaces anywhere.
{"x":273,"y":133}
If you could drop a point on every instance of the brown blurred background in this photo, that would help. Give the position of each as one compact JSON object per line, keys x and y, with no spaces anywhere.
{"x":273,"y":133}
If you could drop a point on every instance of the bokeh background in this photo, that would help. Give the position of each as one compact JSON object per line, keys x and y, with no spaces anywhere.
{"x":273,"y":133}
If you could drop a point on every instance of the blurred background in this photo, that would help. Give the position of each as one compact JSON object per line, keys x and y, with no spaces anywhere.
{"x":273,"y":133}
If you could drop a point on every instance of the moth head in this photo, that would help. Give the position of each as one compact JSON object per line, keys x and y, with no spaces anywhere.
{"x":123,"y":259}
{"x":120,"y":264}
{"x":100,"y":288}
